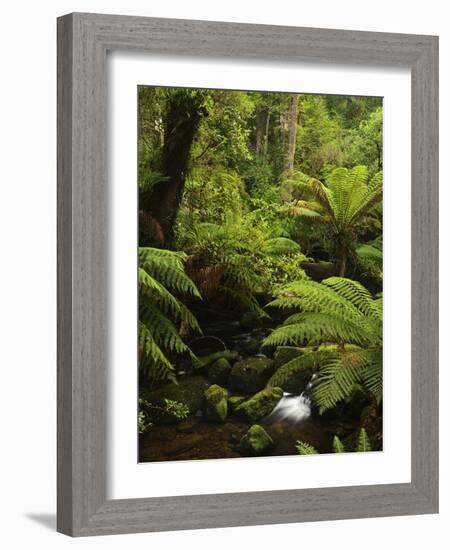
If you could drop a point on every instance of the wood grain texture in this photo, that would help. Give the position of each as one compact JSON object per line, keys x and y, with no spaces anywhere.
{"x":83,"y":40}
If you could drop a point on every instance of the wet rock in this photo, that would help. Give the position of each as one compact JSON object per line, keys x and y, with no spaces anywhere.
{"x":250,"y":320}
{"x":256,"y":441}
{"x":219,"y":371}
{"x":251,"y":375}
{"x":189,"y":391}
{"x":216,"y":404}
{"x":260,"y":405}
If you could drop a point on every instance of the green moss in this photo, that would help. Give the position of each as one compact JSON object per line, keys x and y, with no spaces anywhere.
{"x":203,"y":363}
{"x":219,"y":371}
{"x":234,"y":401}
{"x":216,"y":404}
{"x":250,"y":375}
{"x":260,"y":405}
{"x":189,"y":392}
{"x":256,"y":441}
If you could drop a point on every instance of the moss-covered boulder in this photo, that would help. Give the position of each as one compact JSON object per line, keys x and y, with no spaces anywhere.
{"x":260,"y":405}
{"x":234,"y":401}
{"x":250,"y":375}
{"x":216,"y":404}
{"x":203,"y":363}
{"x":256,"y":441}
{"x":219,"y":371}
{"x":188,"y":391}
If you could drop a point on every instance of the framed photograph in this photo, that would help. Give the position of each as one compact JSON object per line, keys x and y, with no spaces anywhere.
{"x":247,"y":274}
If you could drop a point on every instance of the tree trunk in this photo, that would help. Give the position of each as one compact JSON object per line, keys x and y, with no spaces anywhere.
{"x":342,"y":264}
{"x":183,"y":115}
{"x":292,"y":116}
{"x":261,"y":123}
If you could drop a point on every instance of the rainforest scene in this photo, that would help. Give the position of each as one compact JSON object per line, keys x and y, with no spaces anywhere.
{"x":260,"y":273}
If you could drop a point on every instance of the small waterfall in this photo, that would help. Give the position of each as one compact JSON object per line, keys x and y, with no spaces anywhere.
{"x":293,"y":408}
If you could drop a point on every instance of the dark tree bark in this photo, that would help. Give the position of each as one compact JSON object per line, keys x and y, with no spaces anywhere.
{"x":184,"y":112}
{"x":291,"y":131}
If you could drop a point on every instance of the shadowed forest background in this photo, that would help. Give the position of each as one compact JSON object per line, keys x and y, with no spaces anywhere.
{"x":260,"y":273}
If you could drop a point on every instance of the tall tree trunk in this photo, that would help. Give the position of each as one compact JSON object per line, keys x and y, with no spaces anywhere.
{"x":292,"y":116}
{"x":183,"y":115}
{"x":261,"y":122}
{"x":266,"y":132}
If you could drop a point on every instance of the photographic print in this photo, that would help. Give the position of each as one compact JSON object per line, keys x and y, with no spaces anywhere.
{"x":260,"y":273}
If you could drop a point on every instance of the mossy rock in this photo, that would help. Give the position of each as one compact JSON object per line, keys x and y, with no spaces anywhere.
{"x":256,"y":441}
{"x":219,"y":371}
{"x":189,"y":390}
{"x":216,"y":404}
{"x":250,"y":320}
{"x":260,"y":405}
{"x":203,"y":363}
{"x":251,"y":375}
{"x":234,"y":401}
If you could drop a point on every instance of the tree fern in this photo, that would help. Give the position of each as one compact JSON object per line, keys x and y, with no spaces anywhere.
{"x":163,"y":318}
{"x":344,"y":202}
{"x":341,"y":325}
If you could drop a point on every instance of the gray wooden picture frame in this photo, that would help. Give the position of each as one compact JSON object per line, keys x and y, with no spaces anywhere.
{"x":83,"y":41}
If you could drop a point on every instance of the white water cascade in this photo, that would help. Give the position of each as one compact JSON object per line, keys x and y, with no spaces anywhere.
{"x":293,"y":408}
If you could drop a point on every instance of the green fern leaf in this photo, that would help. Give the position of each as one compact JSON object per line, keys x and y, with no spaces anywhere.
{"x":338,"y":446}
{"x":363,"y":442}
{"x":304,"y":448}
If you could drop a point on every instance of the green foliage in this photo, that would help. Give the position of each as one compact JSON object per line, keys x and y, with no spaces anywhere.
{"x":363,"y":442}
{"x":343,"y":204}
{"x":338,"y":446}
{"x":362,"y":446}
{"x":305,"y":448}
{"x":163,"y":317}
{"x":176,"y":409}
{"x":144,"y":423}
{"x":342,"y":325}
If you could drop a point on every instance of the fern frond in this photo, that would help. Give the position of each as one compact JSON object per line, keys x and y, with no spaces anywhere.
{"x":338,"y":446}
{"x":162,"y":316}
{"x":304,"y":448}
{"x":155,"y":364}
{"x":340,"y":371}
{"x":281,"y":245}
{"x":363,"y":442}
{"x":355,"y":293}
{"x":285,"y":372}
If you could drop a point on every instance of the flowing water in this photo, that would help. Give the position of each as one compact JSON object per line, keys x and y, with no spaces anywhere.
{"x":291,"y":408}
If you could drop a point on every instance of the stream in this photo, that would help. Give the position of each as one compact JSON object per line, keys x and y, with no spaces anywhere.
{"x":292,"y":419}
